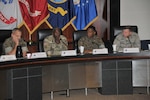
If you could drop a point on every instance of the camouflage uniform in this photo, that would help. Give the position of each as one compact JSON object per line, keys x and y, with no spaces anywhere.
{"x":52,"y":48}
{"x":91,"y":43}
{"x":123,"y":42}
{"x":9,"y":44}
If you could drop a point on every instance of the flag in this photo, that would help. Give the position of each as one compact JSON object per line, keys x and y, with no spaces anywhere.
{"x":61,"y":13}
{"x":86,"y":13}
{"x":10,"y":15}
{"x":34,"y":13}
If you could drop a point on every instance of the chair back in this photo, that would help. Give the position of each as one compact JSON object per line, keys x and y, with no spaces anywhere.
{"x":144,"y":44}
{"x":4,"y":34}
{"x":119,"y":29}
{"x":41,"y":35}
{"x":76,"y":36}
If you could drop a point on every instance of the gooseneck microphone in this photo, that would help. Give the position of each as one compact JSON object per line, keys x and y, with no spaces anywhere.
{"x":63,"y":42}
{"x":129,"y":41}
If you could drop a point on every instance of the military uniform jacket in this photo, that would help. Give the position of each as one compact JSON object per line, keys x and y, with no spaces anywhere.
{"x":9,"y":44}
{"x":132,"y":41}
{"x":52,"y":48}
{"x":91,"y":43}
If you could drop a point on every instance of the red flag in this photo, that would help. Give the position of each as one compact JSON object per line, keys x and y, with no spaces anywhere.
{"x":34,"y":13}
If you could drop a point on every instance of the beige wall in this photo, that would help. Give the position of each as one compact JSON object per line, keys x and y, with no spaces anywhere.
{"x":136,"y":12}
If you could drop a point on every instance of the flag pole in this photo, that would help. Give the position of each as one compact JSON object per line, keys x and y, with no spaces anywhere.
{"x":30,"y":39}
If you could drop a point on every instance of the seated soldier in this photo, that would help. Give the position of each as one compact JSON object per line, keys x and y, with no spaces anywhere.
{"x":91,"y":41}
{"x":10,"y":44}
{"x":127,"y":39}
{"x":55,"y":43}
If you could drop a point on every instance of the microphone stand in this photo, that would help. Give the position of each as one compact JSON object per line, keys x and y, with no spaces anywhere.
{"x":63,"y":42}
{"x":130,"y":41}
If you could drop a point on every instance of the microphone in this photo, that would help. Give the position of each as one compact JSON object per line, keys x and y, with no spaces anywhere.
{"x":63,"y":42}
{"x":130,"y":41}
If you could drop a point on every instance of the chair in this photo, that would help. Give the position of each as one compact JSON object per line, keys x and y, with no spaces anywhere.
{"x":86,"y":71}
{"x":76,"y":36}
{"x":80,"y":33}
{"x":144,"y":44}
{"x":119,"y":29}
{"x":108,"y":45}
{"x":41,"y":34}
{"x":4,"y":34}
{"x":116,"y":31}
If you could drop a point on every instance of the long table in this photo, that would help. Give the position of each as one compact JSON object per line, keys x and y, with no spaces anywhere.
{"x":72,"y":72}
{"x":72,"y":59}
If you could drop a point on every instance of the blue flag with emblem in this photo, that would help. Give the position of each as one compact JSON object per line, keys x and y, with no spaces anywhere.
{"x":86,"y":14}
{"x":61,"y":13}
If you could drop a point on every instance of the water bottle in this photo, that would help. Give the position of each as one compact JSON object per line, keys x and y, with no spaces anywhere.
{"x":19,"y":52}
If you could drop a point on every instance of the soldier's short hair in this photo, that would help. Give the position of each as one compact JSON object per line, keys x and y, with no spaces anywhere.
{"x":93,"y":28}
{"x":59,"y":29}
{"x":16,"y":29}
{"x":127,"y":27}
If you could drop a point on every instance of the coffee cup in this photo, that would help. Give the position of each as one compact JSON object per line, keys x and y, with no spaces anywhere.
{"x":148,"y":46}
{"x":114,"y":47}
{"x":28,"y":55}
{"x":81,"y":48}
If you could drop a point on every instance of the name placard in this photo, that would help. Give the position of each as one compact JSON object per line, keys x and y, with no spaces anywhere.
{"x":131,"y":50}
{"x":100,"y":51}
{"x":38,"y":55}
{"x":69,"y":53}
{"x":7,"y":57}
